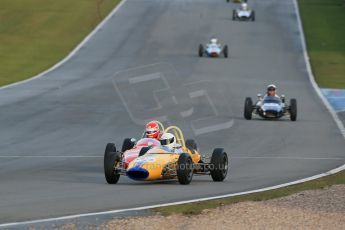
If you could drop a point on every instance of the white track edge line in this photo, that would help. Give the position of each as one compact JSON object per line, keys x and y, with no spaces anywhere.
{"x":72,"y":53}
{"x":311,"y":75}
{"x":333,"y":171}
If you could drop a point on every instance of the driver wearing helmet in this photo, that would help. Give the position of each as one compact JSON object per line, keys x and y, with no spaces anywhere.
{"x":244,"y":6}
{"x":272,"y":91}
{"x":213,"y":42}
{"x":169,"y":140}
{"x":152,"y":130}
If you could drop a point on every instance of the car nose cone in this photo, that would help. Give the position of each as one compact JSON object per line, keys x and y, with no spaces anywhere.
{"x":137,"y":173}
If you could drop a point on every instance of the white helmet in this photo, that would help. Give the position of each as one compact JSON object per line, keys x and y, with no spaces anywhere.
{"x":271,"y":86}
{"x":168,"y":139}
{"x":214,"y":40}
{"x":244,"y":6}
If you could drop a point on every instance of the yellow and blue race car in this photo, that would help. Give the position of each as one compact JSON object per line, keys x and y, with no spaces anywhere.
{"x":175,"y":158}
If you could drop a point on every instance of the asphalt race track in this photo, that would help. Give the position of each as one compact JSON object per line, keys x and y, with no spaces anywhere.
{"x":143,"y":65}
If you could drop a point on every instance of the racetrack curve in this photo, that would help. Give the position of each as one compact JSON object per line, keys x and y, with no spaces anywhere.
{"x":143,"y":65}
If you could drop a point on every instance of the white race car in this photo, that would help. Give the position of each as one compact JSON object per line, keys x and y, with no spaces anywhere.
{"x":270,"y":107}
{"x":236,"y":1}
{"x":243,"y":14}
{"x":213,"y":49}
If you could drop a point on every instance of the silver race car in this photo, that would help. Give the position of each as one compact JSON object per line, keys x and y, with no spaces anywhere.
{"x":243,"y":14}
{"x":213,"y":49}
{"x":270,"y":107}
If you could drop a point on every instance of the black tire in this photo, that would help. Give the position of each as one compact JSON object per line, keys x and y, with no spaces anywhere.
{"x":184,"y":169}
{"x":201,"y":50}
{"x":111,"y":158}
{"x":253,"y":16}
{"x":143,"y":151}
{"x":233,"y":15}
{"x":293,"y":109}
{"x":248,"y":108}
{"x":127,"y":144}
{"x":226,"y":51}
{"x":191,"y":145}
{"x":227,"y":1}
{"x":219,"y":164}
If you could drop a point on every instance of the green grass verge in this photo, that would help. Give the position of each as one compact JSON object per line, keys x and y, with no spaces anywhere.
{"x":324,"y":27}
{"x":36,"y":34}
{"x":196,"y":208}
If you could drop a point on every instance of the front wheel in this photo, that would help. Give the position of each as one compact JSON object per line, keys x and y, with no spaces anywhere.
{"x":293,"y":109}
{"x":201,"y":50}
{"x":248,"y":108}
{"x":226,"y":51}
{"x":111,"y":159}
{"x":219,"y":165}
{"x":184,"y":169}
{"x":253,"y":16}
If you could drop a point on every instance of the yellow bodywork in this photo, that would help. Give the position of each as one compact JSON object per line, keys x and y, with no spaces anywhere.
{"x":160,"y":163}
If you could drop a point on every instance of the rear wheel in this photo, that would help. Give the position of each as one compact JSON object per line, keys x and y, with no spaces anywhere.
{"x":127,"y":144}
{"x":201,"y":50}
{"x":226,"y":51}
{"x":293,"y":109}
{"x":234,"y":15}
{"x":184,"y":169}
{"x":248,"y":108}
{"x":111,"y":159}
{"x":219,"y":165}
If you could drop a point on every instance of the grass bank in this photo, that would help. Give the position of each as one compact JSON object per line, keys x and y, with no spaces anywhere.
{"x":324,"y":27}
{"x":36,"y":34}
{"x":196,"y":208}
